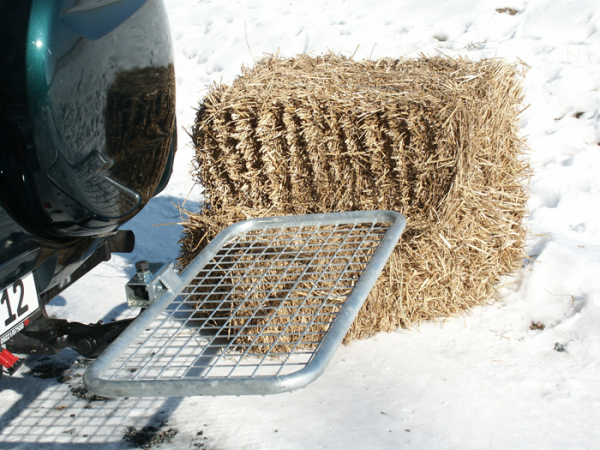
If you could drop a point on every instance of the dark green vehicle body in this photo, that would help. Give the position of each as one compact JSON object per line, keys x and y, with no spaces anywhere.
{"x":87,"y":120}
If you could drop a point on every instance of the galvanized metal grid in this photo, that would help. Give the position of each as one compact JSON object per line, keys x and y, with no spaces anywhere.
{"x":258,"y":308}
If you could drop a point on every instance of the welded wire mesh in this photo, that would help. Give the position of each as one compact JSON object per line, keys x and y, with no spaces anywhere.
{"x":261,"y":307}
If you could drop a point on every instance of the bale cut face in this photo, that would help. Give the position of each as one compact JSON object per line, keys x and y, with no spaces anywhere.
{"x":433,"y":138}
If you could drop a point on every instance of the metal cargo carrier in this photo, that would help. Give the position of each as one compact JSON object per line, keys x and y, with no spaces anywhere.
{"x":260,"y":310}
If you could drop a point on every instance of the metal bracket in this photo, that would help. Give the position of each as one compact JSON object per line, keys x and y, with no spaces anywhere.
{"x":151,"y":281}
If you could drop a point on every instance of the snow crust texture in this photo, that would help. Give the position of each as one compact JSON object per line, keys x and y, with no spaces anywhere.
{"x":522,"y":373}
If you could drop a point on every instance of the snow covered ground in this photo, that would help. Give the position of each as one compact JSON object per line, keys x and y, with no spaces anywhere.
{"x":483,"y":381}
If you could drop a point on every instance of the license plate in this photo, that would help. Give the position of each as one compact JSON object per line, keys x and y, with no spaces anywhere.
{"x":19,"y":301}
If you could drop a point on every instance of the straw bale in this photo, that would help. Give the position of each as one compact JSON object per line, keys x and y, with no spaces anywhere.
{"x":433,"y":138}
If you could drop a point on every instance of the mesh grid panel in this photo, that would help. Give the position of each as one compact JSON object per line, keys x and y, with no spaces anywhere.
{"x":261,"y":307}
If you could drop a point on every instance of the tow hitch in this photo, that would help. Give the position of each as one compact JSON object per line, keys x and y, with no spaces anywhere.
{"x":47,"y":336}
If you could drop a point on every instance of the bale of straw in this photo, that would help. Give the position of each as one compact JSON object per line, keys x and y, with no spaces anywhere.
{"x":433,"y":138}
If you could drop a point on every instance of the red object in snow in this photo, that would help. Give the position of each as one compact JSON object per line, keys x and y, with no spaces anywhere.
{"x":9,"y":361}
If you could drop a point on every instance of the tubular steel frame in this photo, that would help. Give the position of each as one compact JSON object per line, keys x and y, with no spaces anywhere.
{"x":261,"y":310}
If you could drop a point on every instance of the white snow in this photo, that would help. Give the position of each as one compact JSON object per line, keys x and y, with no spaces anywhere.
{"x":483,"y":381}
